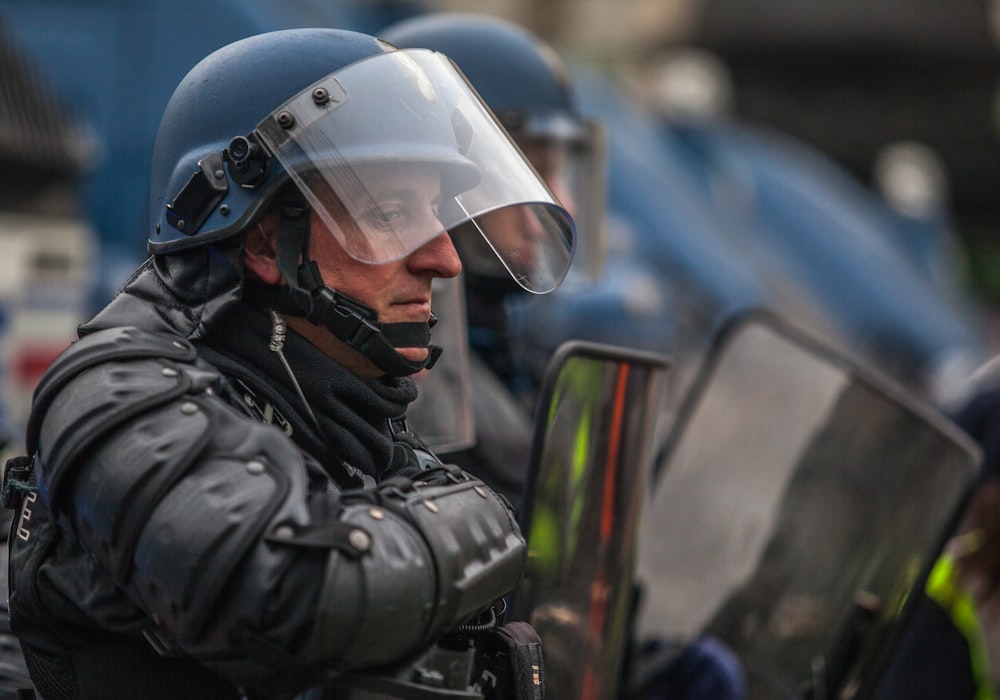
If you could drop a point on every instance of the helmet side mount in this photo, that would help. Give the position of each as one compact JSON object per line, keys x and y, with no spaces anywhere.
{"x":199,"y":197}
{"x":248,"y":164}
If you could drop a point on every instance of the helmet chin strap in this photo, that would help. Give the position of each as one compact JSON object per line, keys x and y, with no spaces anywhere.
{"x":351,"y":321}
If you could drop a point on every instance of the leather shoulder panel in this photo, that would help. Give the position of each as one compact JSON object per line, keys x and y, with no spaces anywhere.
{"x":93,"y":403}
{"x":128,"y":473}
{"x":97,"y":348}
{"x":126,"y":343}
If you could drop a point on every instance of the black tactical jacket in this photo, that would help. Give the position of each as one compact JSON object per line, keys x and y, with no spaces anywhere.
{"x":192,"y":530}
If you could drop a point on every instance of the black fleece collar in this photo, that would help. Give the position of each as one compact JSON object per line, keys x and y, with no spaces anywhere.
{"x":353,"y":414}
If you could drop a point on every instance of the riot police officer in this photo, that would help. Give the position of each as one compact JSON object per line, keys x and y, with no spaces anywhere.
{"x":528,"y":87}
{"x":222,"y":496}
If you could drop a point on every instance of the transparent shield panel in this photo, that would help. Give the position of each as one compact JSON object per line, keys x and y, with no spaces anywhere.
{"x":590,"y":468}
{"x":442,"y":414}
{"x":800,"y":505}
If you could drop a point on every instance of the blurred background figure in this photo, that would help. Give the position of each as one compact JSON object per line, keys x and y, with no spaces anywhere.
{"x":952,"y":647}
{"x":526,"y":84}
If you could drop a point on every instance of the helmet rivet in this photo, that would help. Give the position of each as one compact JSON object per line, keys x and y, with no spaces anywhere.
{"x":321,"y":96}
{"x":224,"y":210}
{"x":219,"y":174}
{"x":286,"y":120}
{"x":181,"y":224}
{"x":360,"y":540}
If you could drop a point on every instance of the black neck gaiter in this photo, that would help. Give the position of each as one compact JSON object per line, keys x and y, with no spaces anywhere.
{"x":352,"y":414}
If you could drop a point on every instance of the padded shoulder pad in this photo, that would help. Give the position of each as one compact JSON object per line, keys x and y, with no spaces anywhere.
{"x":110,"y":382}
{"x":103,"y":346}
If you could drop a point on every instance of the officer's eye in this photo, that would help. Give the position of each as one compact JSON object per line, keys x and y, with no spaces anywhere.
{"x":383,"y":216}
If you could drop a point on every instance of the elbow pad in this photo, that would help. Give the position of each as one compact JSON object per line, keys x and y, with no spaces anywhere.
{"x":437,"y":554}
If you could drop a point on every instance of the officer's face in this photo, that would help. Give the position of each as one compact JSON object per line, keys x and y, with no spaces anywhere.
{"x":399,"y":291}
{"x":548,"y":158}
{"x":517,"y":230}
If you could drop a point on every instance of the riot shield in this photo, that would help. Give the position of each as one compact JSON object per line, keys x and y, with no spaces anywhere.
{"x":799,"y":504}
{"x":590,"y":467}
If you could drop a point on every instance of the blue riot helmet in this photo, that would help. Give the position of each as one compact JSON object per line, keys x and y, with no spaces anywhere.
{"x":310,"y":121}
{"x":527,"y":86}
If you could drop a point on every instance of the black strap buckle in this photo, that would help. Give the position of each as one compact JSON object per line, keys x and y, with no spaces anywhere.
{"x":199,"y":197}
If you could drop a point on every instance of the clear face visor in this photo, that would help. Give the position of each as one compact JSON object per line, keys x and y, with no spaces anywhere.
{"x":393,"y":151}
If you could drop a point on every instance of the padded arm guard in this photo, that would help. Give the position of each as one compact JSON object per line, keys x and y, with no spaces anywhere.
{"x":439,"y":552}
{"x":233,"y":541}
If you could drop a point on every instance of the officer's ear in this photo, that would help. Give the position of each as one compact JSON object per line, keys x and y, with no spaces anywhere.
{"x":259,"y":256}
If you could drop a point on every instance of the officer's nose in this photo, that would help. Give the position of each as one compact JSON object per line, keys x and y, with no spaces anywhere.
{"x":438,"y":256}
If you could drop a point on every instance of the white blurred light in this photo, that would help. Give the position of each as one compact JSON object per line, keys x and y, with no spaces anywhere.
{"x":691,"y":83}
{"x":912,"y":178}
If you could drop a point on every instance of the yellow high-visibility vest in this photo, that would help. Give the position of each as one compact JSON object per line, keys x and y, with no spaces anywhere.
{"x":944,"y":588}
